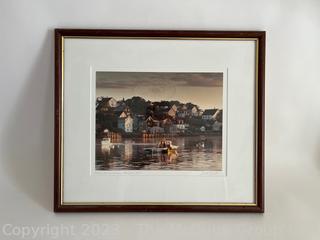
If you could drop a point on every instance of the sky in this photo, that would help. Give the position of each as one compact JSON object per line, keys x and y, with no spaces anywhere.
{"x":202,"y":89}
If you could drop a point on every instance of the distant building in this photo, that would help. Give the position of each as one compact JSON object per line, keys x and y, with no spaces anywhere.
{"x":182,"y":111}
{"x":163,"y":109}
{"x":218,"y":115}
{"x":137,"y":115}
{"x":138,"y":123}
{"x":125,"y":123}
{"x":105,"y":104}
{"x":121,"y":107}
{"x":217,"y":126}
{"x":151,"y":122}
{"x":188,"y":110}
{"x":123,"y":114}
{"x":174,"y":107}
{"x":167,"y":124}
{"x":181,"y":114}
{"x":111,"y":102}
{"x":156,"y":130}
{"x":122,"y":111}
{"x":208,"y":114}
{"x":166,"y":121}
{"x":181,"y":127}
{"x":184,"y":107}
{"x":171,"y":112}
{"x":194,"y":111}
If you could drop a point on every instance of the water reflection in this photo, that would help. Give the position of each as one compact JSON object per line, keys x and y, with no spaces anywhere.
{"x":202,"y":153}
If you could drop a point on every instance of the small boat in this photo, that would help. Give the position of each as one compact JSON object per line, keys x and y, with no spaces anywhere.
{"x":164,"y":146}
{"x":155,"y":150}
{"x":200,"y":145}
{"x":170,"y":146}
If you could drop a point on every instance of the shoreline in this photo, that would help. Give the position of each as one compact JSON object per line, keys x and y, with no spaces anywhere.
{"x":140,"y":136}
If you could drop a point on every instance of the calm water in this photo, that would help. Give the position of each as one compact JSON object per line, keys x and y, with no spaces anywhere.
{"x":200,"y":153}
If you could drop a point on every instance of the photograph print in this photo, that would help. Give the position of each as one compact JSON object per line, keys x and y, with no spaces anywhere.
{"x":159,"y":121}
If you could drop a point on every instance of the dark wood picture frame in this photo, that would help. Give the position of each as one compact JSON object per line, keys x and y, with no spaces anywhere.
{"x":258,"y":207}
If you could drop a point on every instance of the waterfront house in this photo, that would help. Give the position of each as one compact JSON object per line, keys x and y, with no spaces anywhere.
{"x":161,"y":110}
{"x":122,"y":111}
{"x":181,"y":127}
{"x":171,"y":113}
{"x":164,"y":109}
{"x":209,"y":114}
{"x":188,"y":110}
{"x":151,"y":122}
{"x":125,"y":123}
{"x":184,"y":107}
{"x":121,"y":107}
{"x":122,"y":114}
{"x":111,"y":102}
{"x":181,"y":114}
{"x":155,"y":130}
{"x":166,"y":121}
{"x":182,"y":111}
{"x":174,"y":107}
{"x":193,"y":111}
{"x":138,"y":123}
{"x":105,"y":104}
{"x":167,"y":124}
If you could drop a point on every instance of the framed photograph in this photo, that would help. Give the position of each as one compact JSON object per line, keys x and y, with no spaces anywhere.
{"x":149,"y":120}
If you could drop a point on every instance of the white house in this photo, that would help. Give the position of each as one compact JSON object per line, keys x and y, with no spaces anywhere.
{"x":126,"y":124}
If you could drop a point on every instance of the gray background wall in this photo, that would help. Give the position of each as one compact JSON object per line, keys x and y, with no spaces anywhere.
{"x":292,"y":117}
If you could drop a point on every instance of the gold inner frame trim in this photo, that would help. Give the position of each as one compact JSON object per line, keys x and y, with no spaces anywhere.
{"x":61,"y":157}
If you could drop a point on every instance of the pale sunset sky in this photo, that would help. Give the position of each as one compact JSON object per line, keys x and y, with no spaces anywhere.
{"x":202,"y":89}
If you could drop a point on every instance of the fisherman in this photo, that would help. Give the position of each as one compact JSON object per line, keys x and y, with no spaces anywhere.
{"x":161,"y":144}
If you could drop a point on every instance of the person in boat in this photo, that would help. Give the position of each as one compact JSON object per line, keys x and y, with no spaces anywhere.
{"x":167,"y":144}
{"x":162,"y":144}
